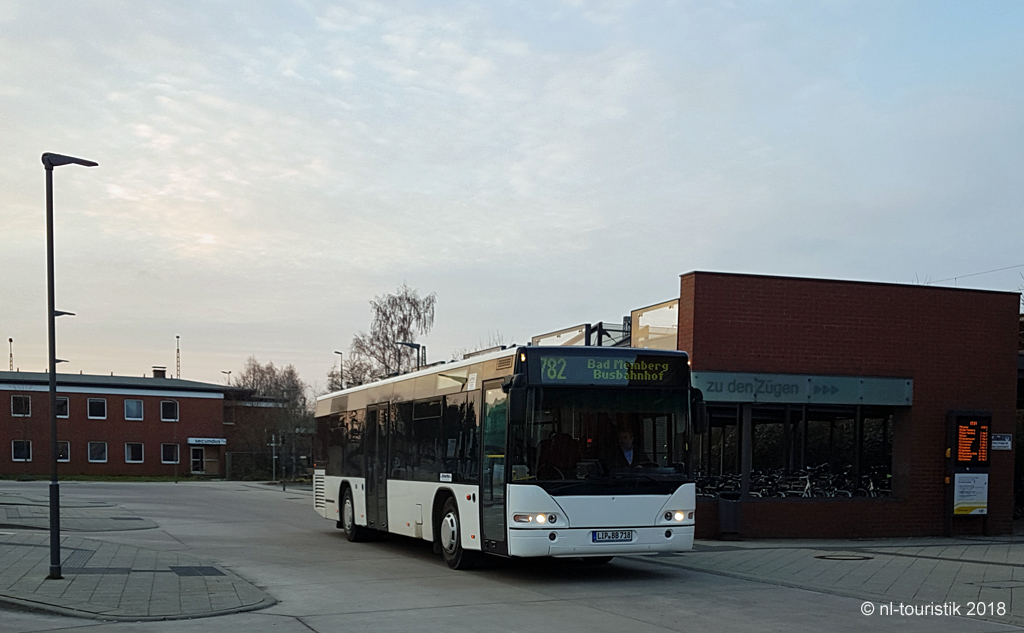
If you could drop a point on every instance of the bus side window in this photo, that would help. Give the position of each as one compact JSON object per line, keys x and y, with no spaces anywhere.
{"x":451,"y":427}
{"x":426,"y":435}
{"x":400,"y":442}
{"x":333,"y":443}
{"x":469,"y":440}
{"x":353,"y":464}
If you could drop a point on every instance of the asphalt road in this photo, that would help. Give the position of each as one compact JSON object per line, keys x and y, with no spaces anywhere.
{"x":323,"y":583}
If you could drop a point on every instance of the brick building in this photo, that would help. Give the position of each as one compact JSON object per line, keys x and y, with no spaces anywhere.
{"x":112,"y":425}
{"x":847,"y":392}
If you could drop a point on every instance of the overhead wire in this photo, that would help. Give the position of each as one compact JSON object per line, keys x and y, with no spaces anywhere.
{"x":984,"y":272}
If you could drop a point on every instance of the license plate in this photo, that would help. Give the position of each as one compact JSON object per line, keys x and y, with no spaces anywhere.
{"x":612,"y":536}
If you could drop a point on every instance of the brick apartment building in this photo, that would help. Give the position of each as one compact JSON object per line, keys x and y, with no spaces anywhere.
{"x":112,"y":425}
{"x":849,"y":391}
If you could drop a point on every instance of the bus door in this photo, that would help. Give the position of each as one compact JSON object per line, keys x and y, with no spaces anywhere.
{"x":376,"y":443}
{"x":492,"y":481}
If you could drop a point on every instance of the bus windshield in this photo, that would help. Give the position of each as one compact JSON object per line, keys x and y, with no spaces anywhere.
{"x":578,"y":440}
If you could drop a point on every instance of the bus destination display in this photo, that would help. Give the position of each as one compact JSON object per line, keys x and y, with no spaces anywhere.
{"x":647,"y":371}
{"x":972,"y":437}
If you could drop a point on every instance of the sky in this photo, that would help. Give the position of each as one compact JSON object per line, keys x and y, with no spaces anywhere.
{"x":268,"y":168}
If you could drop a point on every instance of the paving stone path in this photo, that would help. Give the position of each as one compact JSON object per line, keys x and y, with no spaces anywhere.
{"x":106,"y":580}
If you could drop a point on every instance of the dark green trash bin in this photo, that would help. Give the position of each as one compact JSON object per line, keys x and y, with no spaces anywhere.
{"x":729,"y":515}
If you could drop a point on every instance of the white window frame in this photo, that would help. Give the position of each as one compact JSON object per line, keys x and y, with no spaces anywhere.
{"x":21,"y":415}
{"x":68,"y":459}
{"x":142,"y":448}
{"x":142,"y":410}
{"x":16,"y":459}
{"x":105,"y":453}
{"x":177,"y":454}
{"x":88,"y":407}
{"x":67,"y":407}
{"x":177,"y":411}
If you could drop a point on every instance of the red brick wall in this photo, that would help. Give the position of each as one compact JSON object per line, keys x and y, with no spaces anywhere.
{"x":959,"y":346}
{"x":198,"y":417}
{"x":685,"y":331}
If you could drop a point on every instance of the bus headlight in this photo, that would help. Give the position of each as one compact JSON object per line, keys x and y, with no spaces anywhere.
{"x":539,"y":518}
{"x":676,"y":515}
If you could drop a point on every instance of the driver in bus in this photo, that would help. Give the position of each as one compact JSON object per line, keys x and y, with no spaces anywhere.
{"x":629,"y":455}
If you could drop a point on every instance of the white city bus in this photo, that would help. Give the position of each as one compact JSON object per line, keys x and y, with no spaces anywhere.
{"x":529,"y":451}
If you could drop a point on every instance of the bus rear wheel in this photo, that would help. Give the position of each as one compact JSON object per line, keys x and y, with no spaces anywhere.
{"x":449,"y":531}
{"x":353,"y":532}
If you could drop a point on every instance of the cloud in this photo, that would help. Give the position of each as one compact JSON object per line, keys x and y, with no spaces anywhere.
{"x":265,"y":173}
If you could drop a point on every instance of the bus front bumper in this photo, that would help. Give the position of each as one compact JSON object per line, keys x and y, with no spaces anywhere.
{"x":580,"y":542}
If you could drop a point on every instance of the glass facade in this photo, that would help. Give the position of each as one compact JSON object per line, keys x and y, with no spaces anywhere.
{"x":796,"y":450}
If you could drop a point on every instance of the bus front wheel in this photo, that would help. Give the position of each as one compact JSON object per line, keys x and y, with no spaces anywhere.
{"x":449,"y":530}
{"x":353,"y":532}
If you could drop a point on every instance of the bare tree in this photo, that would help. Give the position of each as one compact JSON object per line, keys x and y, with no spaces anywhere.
{"x":267,"y":381}
{"x":285,"y":416}
{"x":334,"y":381}
{"x":359,"y":370}
{"x":280,"y":387}
{"x":397,"y":317}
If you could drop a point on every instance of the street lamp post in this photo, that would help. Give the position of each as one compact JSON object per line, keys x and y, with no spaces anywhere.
{"x":341,"y":368}
{"x":421,"y":352}
{"x":49,"y":162}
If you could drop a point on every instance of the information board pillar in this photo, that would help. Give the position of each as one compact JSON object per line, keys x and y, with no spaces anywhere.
{"x":967,"y":466}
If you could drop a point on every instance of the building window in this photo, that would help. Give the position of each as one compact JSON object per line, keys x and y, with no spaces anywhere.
{"x":98,"y":409}
{"x":98,"y":452}
{"x":21,"y":406}
{"x":169,"y":453}
{"x":133,"y":409}
{"x":21,"y":450}
{"x":133,"y":453}
{"x":812,"y":450}
{"x":62,"y":407}
{"x":63,"y":451}
{"x":169,"y":411}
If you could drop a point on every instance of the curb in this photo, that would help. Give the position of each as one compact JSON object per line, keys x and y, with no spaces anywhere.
{"x":43,"y":607}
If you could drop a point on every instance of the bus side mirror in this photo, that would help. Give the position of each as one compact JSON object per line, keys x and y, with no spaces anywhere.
{"x":515,"y":381}
{"x":516,"y":405}
{"x":699,"y":409}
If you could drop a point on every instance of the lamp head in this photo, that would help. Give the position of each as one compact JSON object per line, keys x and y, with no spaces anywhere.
{"x":56,"y":160}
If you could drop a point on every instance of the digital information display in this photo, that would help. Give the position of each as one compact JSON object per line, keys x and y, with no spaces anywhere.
{"x":619,"y":371}
{"x":972,"y":441}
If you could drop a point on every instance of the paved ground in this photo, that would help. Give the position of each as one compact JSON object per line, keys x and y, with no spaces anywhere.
{"x":216,"y":542}
{"x":31,"y":510}
{"x":981,"y":577}
{"x":106,"y":580}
